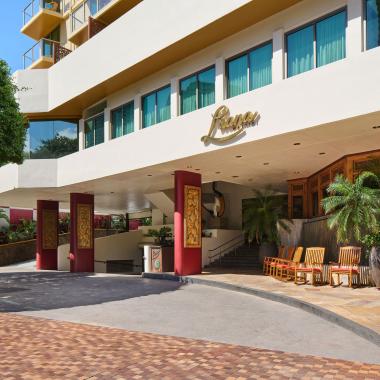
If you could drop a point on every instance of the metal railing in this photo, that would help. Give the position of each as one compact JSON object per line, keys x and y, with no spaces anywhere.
{"x":80,"y":16}
{"x":226,"y":247}
{"x":36,"y":5}
{"x":45,"y":48}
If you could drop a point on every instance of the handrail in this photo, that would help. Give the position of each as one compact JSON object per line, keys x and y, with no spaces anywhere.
{"x":227,"y":242}
{"x":34,"y":6}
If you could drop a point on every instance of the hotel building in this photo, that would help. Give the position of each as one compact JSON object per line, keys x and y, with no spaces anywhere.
{"x":151,"y":102}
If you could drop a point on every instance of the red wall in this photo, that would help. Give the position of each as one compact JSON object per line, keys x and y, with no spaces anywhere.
{"x":15,"y":215}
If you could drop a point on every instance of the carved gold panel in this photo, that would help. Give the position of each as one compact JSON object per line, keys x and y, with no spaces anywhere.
{"x":193,"y":217}
{"x":84,"y":226}
{"x":49,"y":228}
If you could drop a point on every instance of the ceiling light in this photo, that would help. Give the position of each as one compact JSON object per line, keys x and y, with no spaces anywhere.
{"x":297,"y":172}
{"x":238,"y":156}
{"x":297,"y":143}
{"x":149,"y":175}
{"x":188,"y":167}
{"x":112,"y":192}
{"x":376,"y":127}
{"x":197,"y":170}
{"x":217,"y":172}
{"x":235,"y":176}
{"x":266,"y":163}
{"x":322,"y":153}
{"x":250,"y":180}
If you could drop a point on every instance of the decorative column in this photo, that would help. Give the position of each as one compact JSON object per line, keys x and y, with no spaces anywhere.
{"x":187,"y":224}
{"x":278,"y":56}
{"x":82,"y":232}
{"x":47,"y":235}
{"x":220,"y":79}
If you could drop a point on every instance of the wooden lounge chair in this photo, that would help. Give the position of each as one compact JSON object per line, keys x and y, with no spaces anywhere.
{"x":288,"y":256}
{"x":313,"y":264}
{"x":281,"y":255}
{"x":268,"y":260}
{"x":347,"y":265}
{"x":285,"y":268}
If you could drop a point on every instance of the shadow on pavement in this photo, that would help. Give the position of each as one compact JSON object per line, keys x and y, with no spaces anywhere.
{"x":26,"y":291}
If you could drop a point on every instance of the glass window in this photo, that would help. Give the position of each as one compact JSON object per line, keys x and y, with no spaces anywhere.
{"x":51,"y":139}
{"x":317,"y":45}
{"x":197,"y":91}
{"x":156,"y":107}
{"x":94,"y":131}
{"x":250,"y":71}
{"x":373,"y":23}
{"x":123,"y":120}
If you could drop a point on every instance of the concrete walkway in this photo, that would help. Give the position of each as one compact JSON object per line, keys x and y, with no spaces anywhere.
{"x":360,"y":305}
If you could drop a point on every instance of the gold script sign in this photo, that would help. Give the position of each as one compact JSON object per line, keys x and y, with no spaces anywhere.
{"x":233,"y":125}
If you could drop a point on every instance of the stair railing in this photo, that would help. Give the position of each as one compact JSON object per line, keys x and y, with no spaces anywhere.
{"x":226,"y":247}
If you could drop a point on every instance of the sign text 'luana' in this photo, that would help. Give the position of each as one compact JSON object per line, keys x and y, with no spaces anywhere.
{"x":229,"y":126}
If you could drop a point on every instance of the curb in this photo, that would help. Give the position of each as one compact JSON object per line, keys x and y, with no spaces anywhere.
{"x":358,"y":329}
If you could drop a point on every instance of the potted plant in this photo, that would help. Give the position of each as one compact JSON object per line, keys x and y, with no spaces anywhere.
{"x":161,"y":235}
{"x":262,"y":218}
{"x":372,"y":244}
{"x":354,"y":211}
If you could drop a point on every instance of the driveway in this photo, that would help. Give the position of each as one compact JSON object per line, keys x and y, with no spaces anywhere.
{"x":169,"y":308}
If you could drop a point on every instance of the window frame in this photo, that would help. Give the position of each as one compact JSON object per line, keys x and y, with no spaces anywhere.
{"x":314,"y":25}
{"x":121,"y":108}
{"x":155,"y":105}
{"x":239,"y":55}
{"x":365,"y":23}
{"x":196,"y":74}
{"x":85,"y":121}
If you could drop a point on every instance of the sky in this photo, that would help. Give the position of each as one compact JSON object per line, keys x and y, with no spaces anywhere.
{"x":13,"y":44}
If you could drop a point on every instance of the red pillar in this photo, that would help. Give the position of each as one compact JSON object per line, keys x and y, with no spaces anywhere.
{"x":82,"y":232}
{"x":47,"y":235}
{"x":187,"y":224}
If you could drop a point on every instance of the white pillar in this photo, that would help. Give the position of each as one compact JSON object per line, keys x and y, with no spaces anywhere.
{"x":220,"y":80}
{"x":81,"y":134}
{"x":278,"y":62}
{"x":107,"y":124}
{"x":137,"y":112}
{"x":354,"y":36}
{"x":174,"y":96}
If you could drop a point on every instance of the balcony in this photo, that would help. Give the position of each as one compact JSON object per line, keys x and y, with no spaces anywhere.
{"x":44,"y":54}
{"x":41,"y":17}
{"x":91,"y":16}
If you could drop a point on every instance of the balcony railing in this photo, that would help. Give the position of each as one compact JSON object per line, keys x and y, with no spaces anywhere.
{"x":45,"y":49}
{"x":36,"y":5}
{"x":89,"y":8}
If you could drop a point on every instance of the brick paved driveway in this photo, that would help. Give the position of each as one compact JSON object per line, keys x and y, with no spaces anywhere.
{"x":33,"y":348}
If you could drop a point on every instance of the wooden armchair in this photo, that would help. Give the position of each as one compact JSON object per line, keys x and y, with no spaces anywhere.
{"x":313,"y":264}
{"x":348,"y":265}
{"x":268,"y":260}
{"x":286,"y":256}
{"x":285,"y":268}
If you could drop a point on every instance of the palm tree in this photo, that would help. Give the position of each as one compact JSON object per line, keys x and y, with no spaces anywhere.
{"x":353,"y":208}
{"x":263,"y":215}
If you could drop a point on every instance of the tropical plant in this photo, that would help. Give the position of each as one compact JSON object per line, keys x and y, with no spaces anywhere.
{"x":353,"y":208}
{"x":371,"y":240}
{"x":25,"y":230}
{"x":161,"y":235}
{"x":12,"y":123}
{"x":263,"y":215}
{"x":4,"y":216}
{"x":119,"y":222}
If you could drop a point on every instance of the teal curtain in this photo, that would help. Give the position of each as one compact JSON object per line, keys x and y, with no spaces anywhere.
{"x":300,"y":51}
{"x":188,"y":88}
{"x":260,"y":66}
{"x":99,"y":129}
{"x":237,"y":76}
{"x":206,"y":88}
{"x":149,"y":110}
{"x":117,"y":123}
{"x":128,"y":118}
{"x":163,"y":104}
{"x":89,"y":133}
{"x":373,"y":23}
{"x":331,"y":39}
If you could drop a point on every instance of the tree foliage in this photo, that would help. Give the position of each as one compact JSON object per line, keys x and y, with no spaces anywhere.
{"x":353,"y":208}
{"x":12,"y":123}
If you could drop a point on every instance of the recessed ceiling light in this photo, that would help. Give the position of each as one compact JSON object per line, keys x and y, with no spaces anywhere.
{"x":197,"y":170}
{"x":250,"y":180}
{"x":376,"y":127}
{"x":235,"y":176}
{"x":149,"y":175}
{"x":238,"y":156}
{"x":321,"y":153}
{"x":112,"y":192}
{"x":188,"y":166}
{"x":217,"y":172}
{"x":297,"y":172}
{"x":266,"y":163}
{"x":172,"y":174}
{"x":297,"y":143}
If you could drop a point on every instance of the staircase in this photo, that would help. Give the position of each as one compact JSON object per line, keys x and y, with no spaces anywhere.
{"x":242,"y":257}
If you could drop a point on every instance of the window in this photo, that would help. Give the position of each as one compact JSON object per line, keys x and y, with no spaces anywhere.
{"x":250,"y":71}
{"x":156,"y":107}
{"x":197,"y":91}
{"x":316,"y":45}
{"x":122,"y":120}
{"x":51,"y":138}
{"x":94,"y":131}
{"x":372,"y":23}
